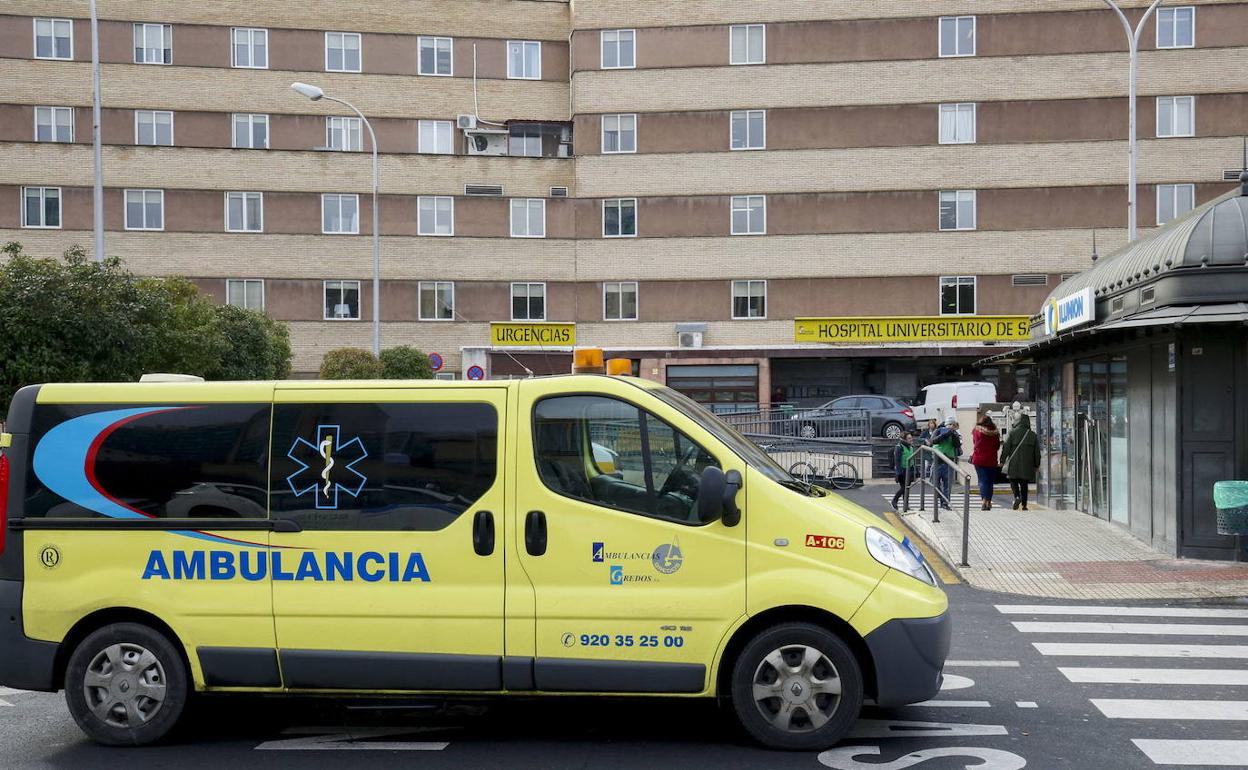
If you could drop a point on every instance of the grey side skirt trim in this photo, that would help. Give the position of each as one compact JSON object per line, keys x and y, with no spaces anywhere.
{"x":239,"y":666}
{"x":348,"y":670}
{"x":568,"y":675}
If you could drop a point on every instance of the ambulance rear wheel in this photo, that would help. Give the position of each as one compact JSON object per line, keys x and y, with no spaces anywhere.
{"x":797,"y":687}
{"x":126,"y":685}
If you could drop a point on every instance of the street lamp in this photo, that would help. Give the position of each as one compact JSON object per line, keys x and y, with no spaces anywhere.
{"x":97,"y":193}
{"x":316,"y":94}
{"x":1133,"y":46}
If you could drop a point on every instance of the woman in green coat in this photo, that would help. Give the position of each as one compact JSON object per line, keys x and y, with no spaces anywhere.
{"x":1020,"y":459}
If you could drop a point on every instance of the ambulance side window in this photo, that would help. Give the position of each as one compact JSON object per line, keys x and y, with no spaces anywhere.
{"x":611,"y":453}
{"x":375,"y":466}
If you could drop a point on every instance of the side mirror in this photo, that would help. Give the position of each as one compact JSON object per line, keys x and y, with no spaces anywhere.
{"x":731,"y":511}
{"x":711,"y":491}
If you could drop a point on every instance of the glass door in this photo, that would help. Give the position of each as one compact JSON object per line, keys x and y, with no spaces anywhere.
{"x":1119,"y":442}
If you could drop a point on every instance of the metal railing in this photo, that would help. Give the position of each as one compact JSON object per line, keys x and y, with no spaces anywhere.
{"x":841,"y":425}
{"x":923,"y":481}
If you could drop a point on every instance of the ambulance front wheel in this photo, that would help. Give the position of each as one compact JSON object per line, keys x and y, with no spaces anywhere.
{"x":126,"y":685}
{"x":797,"y":686}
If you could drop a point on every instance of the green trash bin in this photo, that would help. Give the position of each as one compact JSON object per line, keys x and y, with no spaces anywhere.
{"x":1231,"y":500}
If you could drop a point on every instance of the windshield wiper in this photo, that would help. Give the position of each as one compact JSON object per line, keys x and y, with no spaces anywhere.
{"x":804,"y":487}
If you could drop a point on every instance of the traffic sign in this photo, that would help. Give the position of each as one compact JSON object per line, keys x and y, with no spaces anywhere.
{"x":435,"y":360}
{"x":475,"y":373}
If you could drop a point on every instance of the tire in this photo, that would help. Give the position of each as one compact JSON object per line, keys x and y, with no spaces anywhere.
{"x":126,"y":685}
{"x":808,"y":430}
{"x":892,"y":430}
{"x":803,"y":471}
{"x":778,"y":660}
{"x":843,"y":475}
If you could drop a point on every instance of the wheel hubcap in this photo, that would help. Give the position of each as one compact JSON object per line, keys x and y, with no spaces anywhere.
{"x":124,"y":685}
{"x":796,"y":688}
{"x":808,"y":431}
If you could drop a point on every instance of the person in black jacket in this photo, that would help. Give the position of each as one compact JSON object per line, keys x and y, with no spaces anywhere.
{"x":903,"y":456}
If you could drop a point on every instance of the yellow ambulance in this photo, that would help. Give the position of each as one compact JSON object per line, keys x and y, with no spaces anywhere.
{"x":580,"y":534}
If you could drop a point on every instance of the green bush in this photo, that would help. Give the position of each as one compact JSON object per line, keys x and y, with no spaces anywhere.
{"x":75,"y":320}
{"x":350,"y":364}
{"x":405,"y":363}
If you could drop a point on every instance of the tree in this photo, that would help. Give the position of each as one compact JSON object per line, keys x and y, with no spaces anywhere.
{"x":405,"y":363}
{"x":350,"y":364}
{"x":74,"y":320}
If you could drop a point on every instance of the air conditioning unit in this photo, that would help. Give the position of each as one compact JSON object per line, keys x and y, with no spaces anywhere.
{"x":466,"y":122}
{"x":689,"y":339}
{"x":487,"y":142}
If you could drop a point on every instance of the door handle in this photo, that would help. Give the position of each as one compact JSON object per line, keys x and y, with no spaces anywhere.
{"x":483,"y":533}
{"x":535,"y":533}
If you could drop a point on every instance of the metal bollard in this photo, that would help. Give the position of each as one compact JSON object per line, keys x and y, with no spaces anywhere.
{"x":966,"y":520}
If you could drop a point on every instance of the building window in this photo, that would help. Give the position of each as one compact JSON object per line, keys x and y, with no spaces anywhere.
{"x":957,"y":209}
{"x":528,"y":218}
{"x":153,"y":128}
{"x":54,"y":124}
{"x":748,"y":43}
{"x":340,"y":214}
{"x":54,"y":39}
{"x":619,"y":49}
{"x":957,"y":123}
{"x":528,"y":302}
{"x":153,"y":44}
{"x":749,"y":299}
{"x":749,"y":214}
{"x":342,"y":300}
{"x":1176,"y":27}
{"x":957,"y":35}
{"x":41,"y":207}
{"x":619,"y":301}
{"x":524,"y":141}
{"x":251,"y":131}
{"x":435,"y":215}
{"x":435,"y":137}
{"x":145,"y":209}
{"x":1176,"y":116}
{"x":437,"y":301}
{"x":1174,"y":200}
{"x":344,"y":134}
{"x":247,"y":293}
{"x":250,"y":47}
{"x":749,"y":129}
{"x":619,"y":133}
{"x":435,"y":55}
{"x":244,"y":212}
{"x":619,"y":218}
{"x":957,"y":295}
{"x":342,"y":52}
{"x":524,"y":60}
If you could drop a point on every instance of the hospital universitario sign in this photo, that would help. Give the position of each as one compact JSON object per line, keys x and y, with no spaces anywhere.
{"x":858,"y":330}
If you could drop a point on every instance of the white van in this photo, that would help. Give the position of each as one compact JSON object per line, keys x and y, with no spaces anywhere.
{"x":944,"y":398}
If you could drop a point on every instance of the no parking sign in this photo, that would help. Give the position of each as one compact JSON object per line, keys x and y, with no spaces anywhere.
{"x":475,"y":373}
{"x":435,"y":360}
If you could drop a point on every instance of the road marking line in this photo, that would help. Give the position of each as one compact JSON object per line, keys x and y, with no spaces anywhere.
{"x":970,"y":704}
{"x":1026,"y":704}
{"x":1143,"y":650}
{"x":1181,"y":752}
{"x":943,"y":570}
{"x":891,"y":728}
{"x":1133,"y":708}
{"x":5,"y":703}
{"x":1214,"y":676}
{"x":1142,"y":612}
{"x":982,"y":663}
{"x":1167,"y":629}
{"x":955,"y":682}
{"x":11,"y":691}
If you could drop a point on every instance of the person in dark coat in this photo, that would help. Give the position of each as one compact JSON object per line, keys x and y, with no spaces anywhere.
{"x":1020,"y":459}
{"x":903,"y":454}
{"x":985,"y":442}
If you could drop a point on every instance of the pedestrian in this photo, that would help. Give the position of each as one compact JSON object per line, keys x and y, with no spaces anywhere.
{"x":925,"y":439}
{"x":985,"y":443}
{"x":1020,"y":458}
{"x":945,"y":440}
{"x":903,"y":453}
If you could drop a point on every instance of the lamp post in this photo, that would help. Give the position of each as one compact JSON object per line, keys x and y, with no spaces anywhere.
{"x":316,"y":94}
{"x":97,"y":196}
{"x":1133,"y":46}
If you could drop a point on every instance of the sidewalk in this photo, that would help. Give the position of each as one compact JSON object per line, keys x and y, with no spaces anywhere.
{"x":1068,"y":555}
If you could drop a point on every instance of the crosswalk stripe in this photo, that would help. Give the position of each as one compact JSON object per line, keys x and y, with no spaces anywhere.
{"x":1213,"y":676}
{"x":1133,"y":708}
{"x":982,"y":663}
{"x":1143,"y":650}
{"x":1143,"y":612}
{"x":1193,"y":752}
{"x":1168,"y":629}
{"x":951,"y":704}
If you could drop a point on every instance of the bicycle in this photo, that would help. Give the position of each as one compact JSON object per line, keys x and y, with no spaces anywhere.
{"x":841,"y":475}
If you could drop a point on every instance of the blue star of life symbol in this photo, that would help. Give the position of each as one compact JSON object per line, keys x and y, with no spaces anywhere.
{"x":327,"y":467}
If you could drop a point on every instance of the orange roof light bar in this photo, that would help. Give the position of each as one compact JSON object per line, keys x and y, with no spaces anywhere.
{"x":587,"y":361}
{"x":620,"y":367}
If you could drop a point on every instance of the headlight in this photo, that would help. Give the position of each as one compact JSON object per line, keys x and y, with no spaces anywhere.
{"x":901,"y":556}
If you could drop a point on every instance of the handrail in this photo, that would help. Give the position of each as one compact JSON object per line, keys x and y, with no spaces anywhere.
{"x":936,"y":494}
